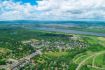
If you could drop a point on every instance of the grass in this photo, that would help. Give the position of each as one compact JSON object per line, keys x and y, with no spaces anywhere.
{"x":56,"y":54}
{"x":98,"y":61}
{"x":101,"y":41}
{"x":4,"y":50}
{"x":79,"y":58}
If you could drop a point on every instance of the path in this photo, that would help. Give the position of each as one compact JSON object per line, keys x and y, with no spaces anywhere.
{"x":83,"y":62}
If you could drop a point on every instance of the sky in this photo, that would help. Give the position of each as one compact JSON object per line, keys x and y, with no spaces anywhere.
{"x":52,"y":9}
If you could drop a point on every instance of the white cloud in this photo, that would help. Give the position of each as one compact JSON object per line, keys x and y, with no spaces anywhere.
{"x":53,"y":10}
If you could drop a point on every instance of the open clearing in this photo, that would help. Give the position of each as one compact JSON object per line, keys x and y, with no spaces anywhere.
{"x":94,"y":61}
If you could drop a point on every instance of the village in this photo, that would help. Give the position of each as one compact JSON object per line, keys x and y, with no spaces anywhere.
{"x":40,"y":47}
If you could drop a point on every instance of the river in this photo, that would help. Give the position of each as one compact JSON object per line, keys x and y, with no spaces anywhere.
{"x":71,"y":31}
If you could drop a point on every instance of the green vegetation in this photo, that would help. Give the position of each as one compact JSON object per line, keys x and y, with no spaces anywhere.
{"x":60,"y":51}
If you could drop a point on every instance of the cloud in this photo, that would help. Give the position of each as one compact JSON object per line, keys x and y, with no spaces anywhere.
{"x":53,"y":10}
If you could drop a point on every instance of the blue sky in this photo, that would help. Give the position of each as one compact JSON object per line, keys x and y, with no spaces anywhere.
{"x":32,"y":2}
{"x":52,"y":9}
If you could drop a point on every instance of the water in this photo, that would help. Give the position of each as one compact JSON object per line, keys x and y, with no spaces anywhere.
{"x":41,"y":25}
{"x":71,"y":31}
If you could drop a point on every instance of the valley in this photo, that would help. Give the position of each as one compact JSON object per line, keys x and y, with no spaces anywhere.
{"x":48,"y":46}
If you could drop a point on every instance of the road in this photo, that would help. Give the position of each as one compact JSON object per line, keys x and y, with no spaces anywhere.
{"x":83,"y":62}
{"x":23,"y":61}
